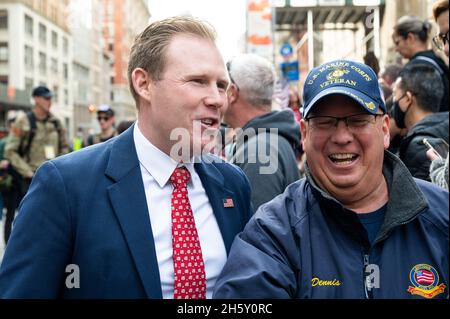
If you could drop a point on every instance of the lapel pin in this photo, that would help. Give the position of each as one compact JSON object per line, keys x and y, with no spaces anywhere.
{"x":228,"y":203}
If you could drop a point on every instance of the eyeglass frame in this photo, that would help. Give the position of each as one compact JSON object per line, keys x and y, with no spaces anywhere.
{"x":345,"y":119}
{"x":440,"y":40}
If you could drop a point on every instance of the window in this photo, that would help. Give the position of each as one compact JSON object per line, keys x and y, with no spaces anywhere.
{"x":4,"y":79}
{"x":66,"y":97}
{"x":29,"y":63}
{"x":54,"y":65}
{"x":54,"y":40}
{"x":3,"y":19}
{"x":42,"y":63}
{"x":56,"y":94}
{"x":65,"y":71}
{"x":28,"y":25}
{"x":42,"y":34}
{"x":3,"y":52}
{"x":28,"y":86}
{"x":65,"y":46}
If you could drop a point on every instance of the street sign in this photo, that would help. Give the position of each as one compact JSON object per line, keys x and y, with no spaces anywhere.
{"x":286,"y":50}
{"x":290,"y":70}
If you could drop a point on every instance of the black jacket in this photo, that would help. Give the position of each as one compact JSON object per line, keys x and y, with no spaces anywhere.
{"x":268,"y":159}
{"x":440,"y":66}
{"x":412,"y":149}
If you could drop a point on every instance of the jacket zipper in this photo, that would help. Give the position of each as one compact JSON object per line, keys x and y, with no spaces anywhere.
{"x":368,"y":293}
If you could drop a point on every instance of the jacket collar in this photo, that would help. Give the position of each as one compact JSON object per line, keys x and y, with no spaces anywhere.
{"x":405,"y":202}
{"x":129,"y":203}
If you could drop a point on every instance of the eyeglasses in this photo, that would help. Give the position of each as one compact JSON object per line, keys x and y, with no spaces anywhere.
{"x":102,"y":118}
{"x":440,"y":40}
{"x":355,"y":123}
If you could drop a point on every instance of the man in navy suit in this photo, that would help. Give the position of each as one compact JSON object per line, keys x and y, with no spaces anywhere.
{"x":97,"y":223}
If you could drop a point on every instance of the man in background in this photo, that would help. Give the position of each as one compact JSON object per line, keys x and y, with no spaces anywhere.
{"x":35,"y":137}
{"x":265,"y":147}
{"x":106,"y":121}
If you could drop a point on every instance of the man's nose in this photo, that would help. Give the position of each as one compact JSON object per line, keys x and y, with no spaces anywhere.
{"x":342,"y":133}
{"x":215,"y":97}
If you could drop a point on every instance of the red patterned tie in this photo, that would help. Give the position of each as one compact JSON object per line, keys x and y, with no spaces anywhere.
{"x":190,"y":278}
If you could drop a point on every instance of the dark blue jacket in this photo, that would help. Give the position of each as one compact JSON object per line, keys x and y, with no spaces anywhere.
{"x":89,"y":209}
{"x":305,"y":244}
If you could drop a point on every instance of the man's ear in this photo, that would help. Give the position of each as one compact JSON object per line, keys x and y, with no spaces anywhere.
{"x":233,"y":94}
{"x":141,"y":83}
{"x":411,"y":37}
{"x":386,"y":131}
{"x":303,"y":132}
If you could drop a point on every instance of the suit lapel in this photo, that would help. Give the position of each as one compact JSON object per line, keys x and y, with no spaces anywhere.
{"x":128,"y":199}
{"x":227,"y":217}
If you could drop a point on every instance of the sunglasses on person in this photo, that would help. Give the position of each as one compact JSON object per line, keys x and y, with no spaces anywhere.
{"x":103,"y":118}
{"x":440,"y":40}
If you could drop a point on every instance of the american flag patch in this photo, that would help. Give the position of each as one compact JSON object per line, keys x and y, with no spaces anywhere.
{"x":228,"y":203}
{"x":424,"y":277}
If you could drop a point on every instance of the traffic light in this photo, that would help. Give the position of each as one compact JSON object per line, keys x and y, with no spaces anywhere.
{"x":92,"y":108}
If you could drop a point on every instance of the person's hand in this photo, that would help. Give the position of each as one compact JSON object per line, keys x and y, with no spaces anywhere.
{"x":4,"y":164}
{"x":432,"y":155}
{"x":29,"y":175}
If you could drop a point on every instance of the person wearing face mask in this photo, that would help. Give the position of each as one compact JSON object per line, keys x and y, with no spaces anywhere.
{"x":439,"y":167}
{"x":417,"y":93}
{"x":358,"y":225}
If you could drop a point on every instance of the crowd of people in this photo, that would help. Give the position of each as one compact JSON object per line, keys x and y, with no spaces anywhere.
{"x":147,"y":213}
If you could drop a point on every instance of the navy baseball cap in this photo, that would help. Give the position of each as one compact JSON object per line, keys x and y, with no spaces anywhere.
{"x":42,"y":91}
{"x":355,"y":80}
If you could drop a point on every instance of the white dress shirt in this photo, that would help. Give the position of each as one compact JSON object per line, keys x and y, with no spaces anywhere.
{"x":156,"y":169}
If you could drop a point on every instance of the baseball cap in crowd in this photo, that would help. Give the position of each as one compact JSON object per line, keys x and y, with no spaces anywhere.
{"x":42,"y":91}
{"x":105,"y":108}
{"x":355,"y":80}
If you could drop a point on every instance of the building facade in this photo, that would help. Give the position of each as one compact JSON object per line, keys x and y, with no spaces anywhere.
{"x":36,"y":49}
{"x":123,"y":20}
{"x":91,"y":63}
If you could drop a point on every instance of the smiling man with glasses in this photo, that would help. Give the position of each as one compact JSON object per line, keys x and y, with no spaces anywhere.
{"x":358,"y":225}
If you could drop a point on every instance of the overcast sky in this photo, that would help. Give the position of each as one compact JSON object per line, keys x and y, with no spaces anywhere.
{"x":227,"y":16}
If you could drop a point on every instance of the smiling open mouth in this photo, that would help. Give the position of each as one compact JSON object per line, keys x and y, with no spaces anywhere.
{"x":209,"y":122}
{"x":343,"y":159}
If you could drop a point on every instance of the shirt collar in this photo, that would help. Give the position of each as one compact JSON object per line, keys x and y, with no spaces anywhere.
{"x":157,"y":163}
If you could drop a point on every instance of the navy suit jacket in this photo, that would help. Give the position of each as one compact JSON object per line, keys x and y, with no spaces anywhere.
{"x":89,"y":209}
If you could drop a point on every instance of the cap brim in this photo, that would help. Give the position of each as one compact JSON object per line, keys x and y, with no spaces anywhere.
{"x":362,"y":99}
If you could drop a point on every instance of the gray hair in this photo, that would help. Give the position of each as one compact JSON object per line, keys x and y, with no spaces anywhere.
{"x":408,"y":24}
{"x":255,"y":78}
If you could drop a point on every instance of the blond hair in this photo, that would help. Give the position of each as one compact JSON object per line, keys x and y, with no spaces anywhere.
{"x":439,"y":7}
{"x":149,"y":49}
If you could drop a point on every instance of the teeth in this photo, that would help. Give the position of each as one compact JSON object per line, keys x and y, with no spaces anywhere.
{"x":207,"y":121}
{"x":344,"y":162}
{"x":342,"y":156}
